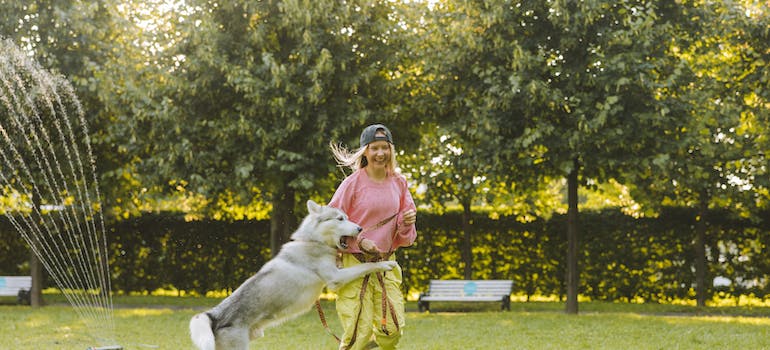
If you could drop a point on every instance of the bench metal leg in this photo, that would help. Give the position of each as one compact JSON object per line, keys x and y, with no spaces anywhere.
{"x":24,"y":297}
{"x":506,"y":305}
{"x":423,"y":305}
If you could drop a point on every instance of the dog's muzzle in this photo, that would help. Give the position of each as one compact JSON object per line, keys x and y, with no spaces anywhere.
{"x":343,"y":243}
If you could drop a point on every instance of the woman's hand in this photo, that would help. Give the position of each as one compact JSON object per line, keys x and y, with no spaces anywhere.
{"x":410,"y":217}
{"x":367,"y":246}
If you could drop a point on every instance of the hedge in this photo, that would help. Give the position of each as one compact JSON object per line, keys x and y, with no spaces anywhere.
{"x":623,"y":258}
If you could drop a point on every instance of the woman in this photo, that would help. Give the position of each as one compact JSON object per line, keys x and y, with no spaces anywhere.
{"x":377,"y":198}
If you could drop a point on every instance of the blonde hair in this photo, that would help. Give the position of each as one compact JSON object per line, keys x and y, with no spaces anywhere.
{"x":355,"y":160}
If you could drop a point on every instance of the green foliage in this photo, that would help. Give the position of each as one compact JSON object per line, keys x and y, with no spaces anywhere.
{"x":165,"y":251}
{"x":624,"y":259}
{"x":14,"y":252}
{"x":229,"y":97}
{"x":264,"y":86}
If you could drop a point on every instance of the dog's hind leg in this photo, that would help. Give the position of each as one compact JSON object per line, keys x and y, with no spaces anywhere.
{"x":256,"y":333}
{"x":233,"y":338}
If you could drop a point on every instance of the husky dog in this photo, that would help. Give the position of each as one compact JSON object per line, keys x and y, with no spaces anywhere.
{"x":286,"y":286}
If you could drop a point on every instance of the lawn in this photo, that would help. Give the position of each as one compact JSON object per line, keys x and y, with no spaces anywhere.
{"x":161,"y":323}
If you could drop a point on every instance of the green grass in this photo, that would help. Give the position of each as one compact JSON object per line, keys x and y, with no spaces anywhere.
{"x":161,"y":323}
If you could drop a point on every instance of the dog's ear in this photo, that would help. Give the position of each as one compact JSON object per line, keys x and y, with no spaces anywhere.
{"x":313,"y":207}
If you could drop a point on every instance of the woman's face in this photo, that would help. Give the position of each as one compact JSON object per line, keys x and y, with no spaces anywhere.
{"x":378,"y":154}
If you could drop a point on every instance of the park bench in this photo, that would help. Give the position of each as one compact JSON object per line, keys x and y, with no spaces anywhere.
{"x":18,"y":286}
{"x":467,"y":291}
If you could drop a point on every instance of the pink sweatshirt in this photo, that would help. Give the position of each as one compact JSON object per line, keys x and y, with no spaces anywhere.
{"x":367,"y":203}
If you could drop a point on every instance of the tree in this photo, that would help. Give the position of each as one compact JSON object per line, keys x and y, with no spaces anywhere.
{"x":451,"y":171}
{"x":111,"y":54}
{"x":528,"y":92}
{"x":458,"y":46}
{"x":579,"y":77}
{"x":712,"y":157}
{"x":259,"y":91}
{"x":65,"y":38}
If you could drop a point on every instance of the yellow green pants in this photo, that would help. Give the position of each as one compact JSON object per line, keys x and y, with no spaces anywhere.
{"x":349,"y":301}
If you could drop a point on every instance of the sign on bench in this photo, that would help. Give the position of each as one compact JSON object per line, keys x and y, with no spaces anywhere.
{"x":467,"y":290}
{"x":18,"y":286}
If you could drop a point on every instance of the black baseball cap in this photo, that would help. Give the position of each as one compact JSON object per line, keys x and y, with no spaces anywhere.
{"x":369,"y":134}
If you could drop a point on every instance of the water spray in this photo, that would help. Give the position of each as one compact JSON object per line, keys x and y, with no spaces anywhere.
{"x":48,"y":173}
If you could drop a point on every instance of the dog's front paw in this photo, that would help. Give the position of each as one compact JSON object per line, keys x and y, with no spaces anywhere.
{"x":388,"y":265}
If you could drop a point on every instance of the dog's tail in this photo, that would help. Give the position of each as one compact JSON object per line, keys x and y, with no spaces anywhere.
{"x":201,"y":333}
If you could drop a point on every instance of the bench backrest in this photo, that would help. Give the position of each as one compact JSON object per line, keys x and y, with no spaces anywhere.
{"x":470,"y":287}
{"x":10,"y":285}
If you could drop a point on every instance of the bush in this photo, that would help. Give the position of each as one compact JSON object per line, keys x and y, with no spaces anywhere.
{"x":623,"y":258}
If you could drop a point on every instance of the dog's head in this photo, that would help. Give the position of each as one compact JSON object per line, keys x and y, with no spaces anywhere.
{"x":327,"y":225}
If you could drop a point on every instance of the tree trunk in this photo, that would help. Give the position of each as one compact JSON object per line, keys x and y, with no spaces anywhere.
{"x":36,"y":271}
{"x":105,"y":277}
{"x":36,"y":268}
{"x":283,"y":222}
{"x":572,"y":240}
{"x":466,"y":249}
{"x":700,"y":255}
